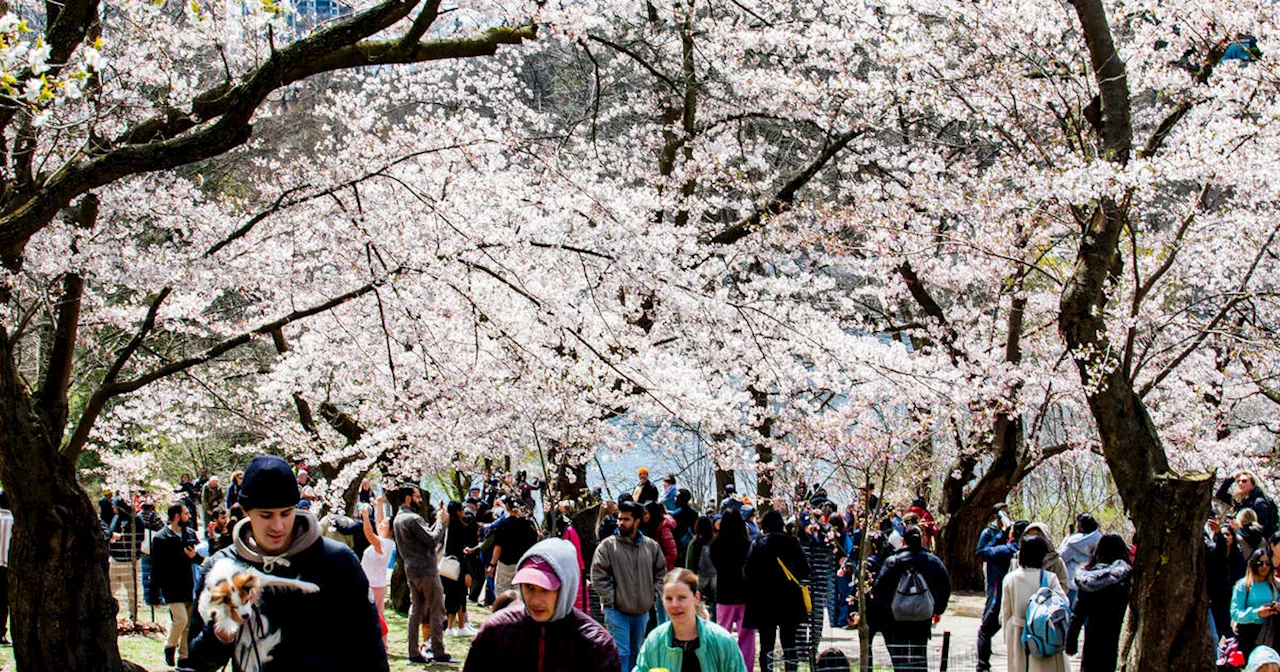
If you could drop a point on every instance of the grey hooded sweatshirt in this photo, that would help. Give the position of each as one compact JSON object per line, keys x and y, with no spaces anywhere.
{"x":512,"y":641}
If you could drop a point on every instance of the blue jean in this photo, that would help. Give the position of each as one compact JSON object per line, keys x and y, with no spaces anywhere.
{"x":628,"y":634}
{"x":839,"y":610}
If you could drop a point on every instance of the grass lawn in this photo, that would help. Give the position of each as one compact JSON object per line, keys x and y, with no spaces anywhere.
{"x":148,"y":650}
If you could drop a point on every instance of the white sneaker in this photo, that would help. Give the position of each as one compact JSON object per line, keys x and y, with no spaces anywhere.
{"x":453,"y":632}
{"x":469,"y":630}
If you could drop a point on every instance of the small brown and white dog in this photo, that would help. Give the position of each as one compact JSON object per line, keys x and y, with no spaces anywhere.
{"x":231,"y":591}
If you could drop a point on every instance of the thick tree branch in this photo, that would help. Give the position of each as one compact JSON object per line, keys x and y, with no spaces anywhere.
{"x":1269,"y":392}
{"x":68,"y":23}
{"x":342,"y":423}
{"x":931,"y":308}
{"x":1113,"y":83}
{"x":62,"y":354}
{"x":425,"y":18}
{"x":339,"y":420}
{"x":1170,"y":121}
{"x":167,"y":144}
{"x":97,"y":401}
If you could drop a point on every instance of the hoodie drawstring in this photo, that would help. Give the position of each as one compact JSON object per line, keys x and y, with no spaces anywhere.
{"x":270,"y":561}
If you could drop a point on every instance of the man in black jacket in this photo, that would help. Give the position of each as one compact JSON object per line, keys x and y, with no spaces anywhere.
{"x":335,"y":629}
{"x":907,"y":639}
{"x":645,"y":491}
{"x":173,"y":552}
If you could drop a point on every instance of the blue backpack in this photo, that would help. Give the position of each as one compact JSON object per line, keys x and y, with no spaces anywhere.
{"x":1048,"y":617}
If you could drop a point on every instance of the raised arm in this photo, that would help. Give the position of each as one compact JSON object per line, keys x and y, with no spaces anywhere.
{"x":374,"y":540}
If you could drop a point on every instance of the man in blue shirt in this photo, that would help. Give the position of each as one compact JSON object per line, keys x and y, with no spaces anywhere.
{"x":996,"y":547}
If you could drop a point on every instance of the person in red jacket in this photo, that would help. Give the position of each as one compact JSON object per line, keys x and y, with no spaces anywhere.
{"x":928,"y":528}
{"x":544,"y":631}
{"x":661,"y":528}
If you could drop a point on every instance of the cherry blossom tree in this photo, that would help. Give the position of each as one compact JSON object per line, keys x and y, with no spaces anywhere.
{"x":787,"y":229}
{"x":97,"y":97}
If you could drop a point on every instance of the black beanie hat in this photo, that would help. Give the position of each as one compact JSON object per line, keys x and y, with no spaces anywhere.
{"x":268,"y":483}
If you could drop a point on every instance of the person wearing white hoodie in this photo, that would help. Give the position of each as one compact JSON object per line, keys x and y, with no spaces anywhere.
{"x":1077,"y":549}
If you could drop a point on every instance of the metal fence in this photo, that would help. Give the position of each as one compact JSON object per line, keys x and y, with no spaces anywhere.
{"x":937,"y":655}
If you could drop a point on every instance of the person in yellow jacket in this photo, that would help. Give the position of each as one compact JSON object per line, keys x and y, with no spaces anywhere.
{"x":689,"y":641}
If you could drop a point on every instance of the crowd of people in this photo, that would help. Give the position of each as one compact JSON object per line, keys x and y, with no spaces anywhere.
{"x":681,"y":587}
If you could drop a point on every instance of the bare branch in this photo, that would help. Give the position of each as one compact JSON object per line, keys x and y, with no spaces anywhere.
{"x":229,"y":344}
{"x":786,"y":196}
{"x":97,"y":401}
{"x":636,"y":57}
{"x":1213,"y":323}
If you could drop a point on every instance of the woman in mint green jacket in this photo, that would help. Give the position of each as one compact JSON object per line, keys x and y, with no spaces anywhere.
{"x":688,"y":642}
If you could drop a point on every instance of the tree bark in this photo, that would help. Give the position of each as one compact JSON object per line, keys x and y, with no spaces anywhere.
{"x":969,"y":514}
{"x":1168,"y":626}
{"x":63,"y":614}
{"x":764,"y":452}
{"x":958,"y":539}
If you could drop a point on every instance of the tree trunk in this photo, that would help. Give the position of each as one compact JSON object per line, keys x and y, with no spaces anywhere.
{"x":765,"y":471}
{"x":584,"y":522}
{"x":765,"y":467}
{"x":1167,"y":618}
{"x":957,"y":540}
{"x":398,"y":589}
{"x":63,"y":614}
{"x":1168,"y":611}
{"x":958,"y":537}
{"x":724,"y":477}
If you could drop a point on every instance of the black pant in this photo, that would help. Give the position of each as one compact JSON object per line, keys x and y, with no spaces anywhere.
{"x":475,"y":567}
{"x":4,"y":601}
{"x":908,"y":646}
{"x":1247,"y":637}
{"x":788,"y":635}
{"x":990,"y":626}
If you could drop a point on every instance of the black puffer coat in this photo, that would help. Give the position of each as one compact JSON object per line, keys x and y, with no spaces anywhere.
{"x":1100,"y":605}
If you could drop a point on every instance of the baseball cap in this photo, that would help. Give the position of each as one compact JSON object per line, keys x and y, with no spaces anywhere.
{"x":538,"y":572}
